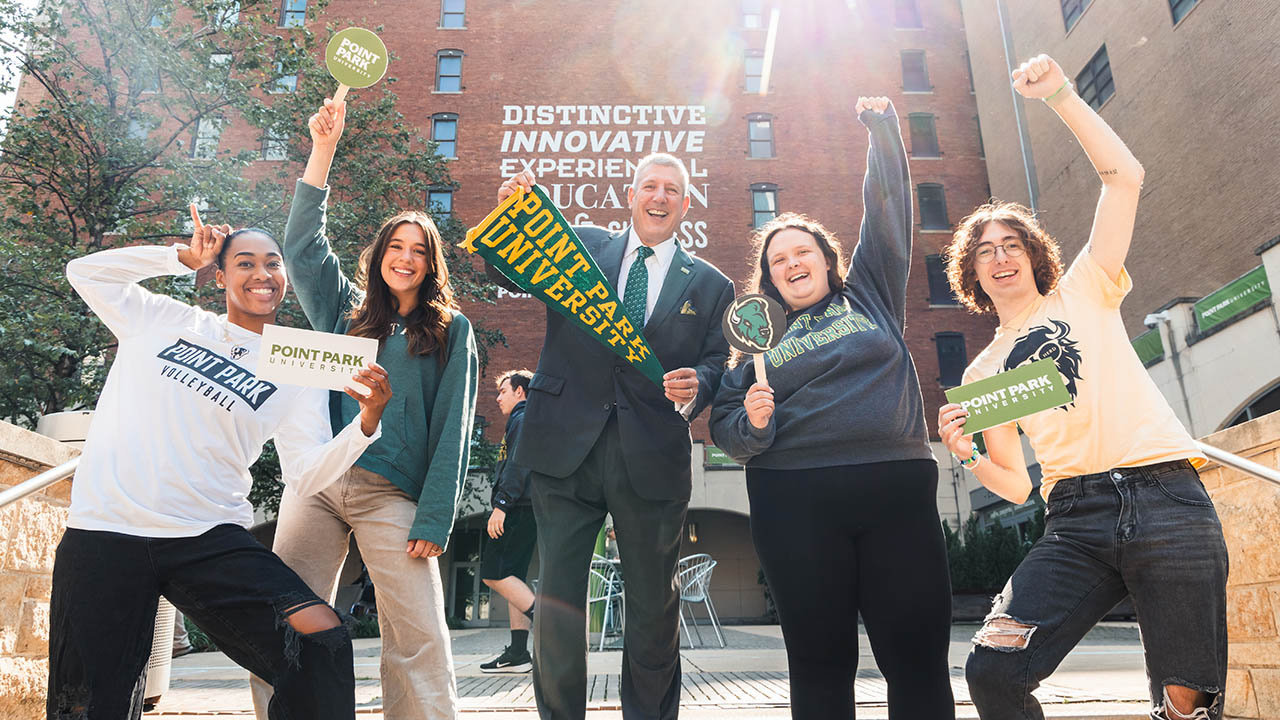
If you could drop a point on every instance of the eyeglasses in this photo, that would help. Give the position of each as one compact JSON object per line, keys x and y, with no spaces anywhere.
{"x":1012,"y":248}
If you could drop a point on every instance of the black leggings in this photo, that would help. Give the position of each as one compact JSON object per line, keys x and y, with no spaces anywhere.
{"x":857,"y":538}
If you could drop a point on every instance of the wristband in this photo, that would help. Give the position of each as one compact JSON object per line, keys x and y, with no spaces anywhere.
{"x":1065,"y":84}
{"x":974,"y":458}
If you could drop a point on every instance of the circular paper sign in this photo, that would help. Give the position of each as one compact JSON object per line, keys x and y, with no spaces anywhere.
{"x":754,"y":323}
{"x":356,"y":58}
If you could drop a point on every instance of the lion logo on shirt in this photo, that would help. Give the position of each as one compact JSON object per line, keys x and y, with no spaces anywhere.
{"x":1041,"y":343}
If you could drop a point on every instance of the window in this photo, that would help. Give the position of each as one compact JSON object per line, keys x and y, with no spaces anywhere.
{"x":275,"y":145}
{"x":449,"y":71}
{"x":137,"y":129}
{"x":939,"y":289}
{"x":924,"y":135}
{"x":906,"y":14}
{"x":146,"y":79}
{"x":951,"y":358}
{"x":933,"y":207}
{"x":1180,"y":8}
{"x":915,"y":76}
{"x":760,"y":135}
{"x":219,"y":68}
{"x":453,"y":13}
{"x":204,"y":145}
{"x":1265,"y":404}
{"x":444,"y":131}
{"x":1094,"y":83}
{"x":286,"y":82}
{"x":753,"y":65}
{"x":1071,"y":11}
{"x":764,"y":203}
{"x":753,"y":14}
{"x":440,"y":203}
{"x":293,"y":13}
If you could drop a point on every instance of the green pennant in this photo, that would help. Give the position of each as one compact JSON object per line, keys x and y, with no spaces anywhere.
{"x":529,"y":241}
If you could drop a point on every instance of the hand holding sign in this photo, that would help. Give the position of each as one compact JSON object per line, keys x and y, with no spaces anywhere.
{"x":1008,"y":396}
{"x":356,"y":58}
{"x":373,"y":378}
{"x":327,"y":123}
{"x":754,"y":324}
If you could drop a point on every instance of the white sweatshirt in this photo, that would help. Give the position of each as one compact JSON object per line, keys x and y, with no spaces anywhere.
{"x":182,"y":416}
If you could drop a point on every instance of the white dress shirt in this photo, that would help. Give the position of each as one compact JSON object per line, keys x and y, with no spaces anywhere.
{"x":658,"y":264}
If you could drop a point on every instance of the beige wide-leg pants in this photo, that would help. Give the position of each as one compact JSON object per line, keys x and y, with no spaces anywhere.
{"x":312,"y":536}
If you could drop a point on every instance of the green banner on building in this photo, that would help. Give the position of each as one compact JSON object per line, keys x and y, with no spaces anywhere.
{"x":713,"y":455}
{"x":529,"y":241}
{"x":1236,"y":297}
{"x":1149,"y":346}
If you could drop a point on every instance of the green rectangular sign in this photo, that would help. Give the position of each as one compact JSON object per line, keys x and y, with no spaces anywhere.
{"x":1149,"y":346}
{"x":1232,"y":299}
{"x":715,"y":456}
{"x":1011,"y":395}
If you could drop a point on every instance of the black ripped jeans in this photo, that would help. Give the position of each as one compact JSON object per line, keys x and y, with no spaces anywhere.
{"x":102,"y":616}
{"x":1150,"y":532}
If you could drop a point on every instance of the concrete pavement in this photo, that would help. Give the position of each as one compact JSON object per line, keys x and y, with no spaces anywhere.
{"x":1102,"y":678}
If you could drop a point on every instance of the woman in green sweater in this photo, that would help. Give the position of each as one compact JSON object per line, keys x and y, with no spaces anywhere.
{"x":400,"y":496}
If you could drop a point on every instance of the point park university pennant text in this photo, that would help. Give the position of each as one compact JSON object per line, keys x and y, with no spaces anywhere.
{"x":529,"y":241}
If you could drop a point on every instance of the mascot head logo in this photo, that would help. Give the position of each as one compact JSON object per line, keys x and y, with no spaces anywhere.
{"x":754,"y":323}
{"x":1041,"y":343}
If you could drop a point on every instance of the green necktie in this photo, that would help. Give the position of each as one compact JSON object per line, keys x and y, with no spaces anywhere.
{"x":637,"y":293}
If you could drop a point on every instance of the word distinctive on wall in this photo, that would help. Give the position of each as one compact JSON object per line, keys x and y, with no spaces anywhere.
{"x":586,"y":155}
{"x":314,"y":359}
{"x":1011,"y":395}
{"x":529,"y":241}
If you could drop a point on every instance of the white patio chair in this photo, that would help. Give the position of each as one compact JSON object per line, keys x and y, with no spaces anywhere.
{"x":605,"y":585}
{"x":693,"y":578}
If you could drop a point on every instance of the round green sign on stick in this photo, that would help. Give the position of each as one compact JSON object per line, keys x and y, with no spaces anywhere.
{"x":356,"y":58}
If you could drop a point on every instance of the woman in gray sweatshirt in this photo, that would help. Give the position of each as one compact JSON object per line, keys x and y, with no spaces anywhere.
{"x":839,"y":471}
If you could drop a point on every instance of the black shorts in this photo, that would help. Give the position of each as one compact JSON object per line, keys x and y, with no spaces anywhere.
{"x":510,"y":554}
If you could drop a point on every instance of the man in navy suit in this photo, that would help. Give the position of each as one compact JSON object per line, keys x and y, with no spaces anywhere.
{"x":599,"y":437}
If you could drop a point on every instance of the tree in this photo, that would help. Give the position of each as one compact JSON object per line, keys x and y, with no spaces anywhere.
{"x":129,"y":111}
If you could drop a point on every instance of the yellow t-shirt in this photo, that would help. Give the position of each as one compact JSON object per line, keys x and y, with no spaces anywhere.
{"x":1117,"y":417}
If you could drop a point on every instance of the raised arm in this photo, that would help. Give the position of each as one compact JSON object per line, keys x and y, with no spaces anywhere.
{"x":108,"y":280}
{"x":1041,"y":77}
{"x":883,"y":255}
{"x":732,"y":428}
{"x":1003,"y":470}
{"x":315,"y":271}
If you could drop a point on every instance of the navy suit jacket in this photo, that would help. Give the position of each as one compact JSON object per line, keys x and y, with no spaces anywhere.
{"x":580,"y":382}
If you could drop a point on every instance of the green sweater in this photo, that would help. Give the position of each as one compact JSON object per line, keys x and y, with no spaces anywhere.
{"x":426,"y":427}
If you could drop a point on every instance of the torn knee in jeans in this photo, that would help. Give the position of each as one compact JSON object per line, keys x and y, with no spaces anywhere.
{"x":1004,"y":633}
{"x":1188,"y":701}
{"x":311,"y":620}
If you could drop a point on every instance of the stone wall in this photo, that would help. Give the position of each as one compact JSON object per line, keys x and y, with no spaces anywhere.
{"x":29,"y":533}
{"x":1250,"y":512}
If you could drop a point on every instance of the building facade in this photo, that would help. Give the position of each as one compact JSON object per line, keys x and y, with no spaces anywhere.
{"x":1185,"y":84}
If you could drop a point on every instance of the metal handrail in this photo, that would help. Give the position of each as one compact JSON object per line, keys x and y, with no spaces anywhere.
{"x":1244,"y":465}
{"x":39,"y":482}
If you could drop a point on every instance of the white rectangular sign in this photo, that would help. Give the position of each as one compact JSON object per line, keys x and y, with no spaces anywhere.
{"x":313,"y":359}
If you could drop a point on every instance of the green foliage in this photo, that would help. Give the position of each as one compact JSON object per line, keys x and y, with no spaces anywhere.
{"x":365,"y":627}
{"x":982,"y":560}
{"x":200,"y":642}
{"x":101,"y":152}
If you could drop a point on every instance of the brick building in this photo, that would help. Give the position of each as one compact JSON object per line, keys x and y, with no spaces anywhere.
{"x":581,"y":90}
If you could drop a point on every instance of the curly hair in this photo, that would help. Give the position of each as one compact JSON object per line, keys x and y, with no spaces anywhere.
{"x":760,"y":282}
{"x":1042,"y":250}
{"x":428,"y":324}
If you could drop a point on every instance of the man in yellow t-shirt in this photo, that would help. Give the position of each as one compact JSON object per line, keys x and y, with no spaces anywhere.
{"x":1126,"y":513}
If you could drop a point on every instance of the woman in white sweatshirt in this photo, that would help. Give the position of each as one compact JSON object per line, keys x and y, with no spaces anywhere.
{"x":159,"y":507}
